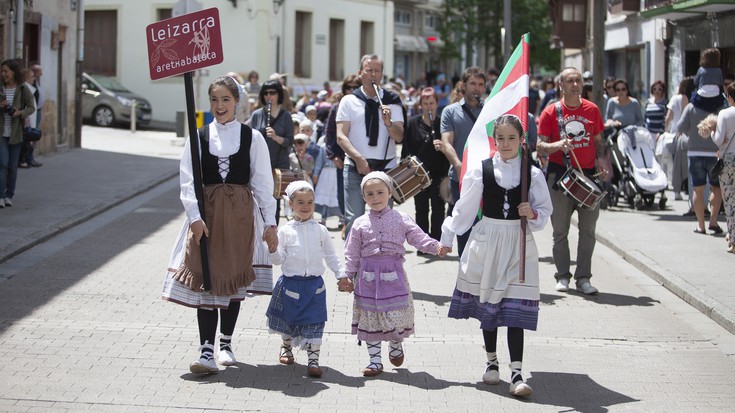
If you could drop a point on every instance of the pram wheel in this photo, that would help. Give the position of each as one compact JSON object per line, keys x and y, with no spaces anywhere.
{"x":648,"y":201}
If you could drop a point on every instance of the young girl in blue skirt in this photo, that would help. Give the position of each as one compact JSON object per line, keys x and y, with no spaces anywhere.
{"x":298,"y":307}
{"x":488,"y":287}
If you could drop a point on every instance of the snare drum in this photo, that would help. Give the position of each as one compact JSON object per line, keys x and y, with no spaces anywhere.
{"x":581,"y":189}
{"x":409,"y":178}
{"x":283,"y":177}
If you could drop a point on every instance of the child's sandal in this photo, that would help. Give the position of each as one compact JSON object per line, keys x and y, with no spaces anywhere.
{"x":372,"y":369}
{"x":286,"y":356}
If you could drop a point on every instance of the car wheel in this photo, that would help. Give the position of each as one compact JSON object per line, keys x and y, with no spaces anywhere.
{"x":103,"y":116}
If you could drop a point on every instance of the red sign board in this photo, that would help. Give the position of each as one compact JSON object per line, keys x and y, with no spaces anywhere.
{"x":185,"y":43}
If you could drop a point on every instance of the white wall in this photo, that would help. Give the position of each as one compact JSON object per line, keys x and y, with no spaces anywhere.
{"x":249,"y":33}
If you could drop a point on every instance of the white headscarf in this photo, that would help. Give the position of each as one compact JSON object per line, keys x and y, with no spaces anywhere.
{"x":297,"y":185}
{"x":377,"y":175}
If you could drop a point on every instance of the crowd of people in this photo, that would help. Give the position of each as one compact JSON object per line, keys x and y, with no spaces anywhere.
{"x":337,"y":150}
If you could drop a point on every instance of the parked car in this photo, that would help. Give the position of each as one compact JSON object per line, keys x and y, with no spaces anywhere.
{"x":106,"y":102}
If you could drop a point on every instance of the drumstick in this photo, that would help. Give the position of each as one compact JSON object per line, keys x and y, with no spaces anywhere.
{"x":579,"y":168}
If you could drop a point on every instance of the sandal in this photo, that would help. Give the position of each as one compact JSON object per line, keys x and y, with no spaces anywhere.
{"x":372,"y":369}
{"x":286,"y":356}
{"x":396,"y":356}
{"x":716,"y":229}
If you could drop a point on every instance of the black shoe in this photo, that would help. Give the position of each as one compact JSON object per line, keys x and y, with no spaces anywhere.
{"x":716,"y":229}
{"x":36,"y":164}
{"x":689,"y":213}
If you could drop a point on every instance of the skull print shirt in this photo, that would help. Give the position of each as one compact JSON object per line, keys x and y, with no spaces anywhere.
{"x":581,"y":125}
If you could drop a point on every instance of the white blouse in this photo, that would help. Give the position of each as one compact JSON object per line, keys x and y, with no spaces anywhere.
{"x":303,"y":247}
{"x":508,"y":176}
{"x":224,"y":141}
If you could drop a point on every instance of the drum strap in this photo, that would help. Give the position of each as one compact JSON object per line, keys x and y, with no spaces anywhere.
{"x":560,"y":121}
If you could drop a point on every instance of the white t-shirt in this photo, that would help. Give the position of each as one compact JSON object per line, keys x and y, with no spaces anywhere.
{"x":351,"y":109}
{"x":676,"y":110}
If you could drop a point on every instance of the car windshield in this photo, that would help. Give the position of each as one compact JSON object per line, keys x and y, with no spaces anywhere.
{"x":110,"y":83}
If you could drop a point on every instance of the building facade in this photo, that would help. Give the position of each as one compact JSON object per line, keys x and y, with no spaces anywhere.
{"x":45,"y":33}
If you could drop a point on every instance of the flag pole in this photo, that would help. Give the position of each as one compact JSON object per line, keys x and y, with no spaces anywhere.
{"x":524,"y":220}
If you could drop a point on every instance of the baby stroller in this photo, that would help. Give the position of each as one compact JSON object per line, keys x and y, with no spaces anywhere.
{"x":637,"y":176}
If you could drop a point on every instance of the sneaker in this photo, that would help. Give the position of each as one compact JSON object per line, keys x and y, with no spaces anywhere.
{"x":9,"y":203}
{"x":586,"y":288}
{"x":562,"y":285}
{"x":520,"y":389}
{"x":226,"y":358}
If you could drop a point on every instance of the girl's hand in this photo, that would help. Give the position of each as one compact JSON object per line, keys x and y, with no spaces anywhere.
{"x":443,"y":250}
{"x":344,"y":284}
{"x":271,"y":238}
{"x":198,"y":228}
{"x":525,"y":210}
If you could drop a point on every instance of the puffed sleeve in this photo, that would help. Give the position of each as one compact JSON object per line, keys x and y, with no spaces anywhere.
{"x":465,"y":210}
{"x":330,"y":254}
{"x":186,"y":183}
{"x":261,"y":178}
{"x":540,"y":200}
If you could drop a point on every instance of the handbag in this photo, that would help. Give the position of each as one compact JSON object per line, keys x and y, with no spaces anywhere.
{"x":31,"y":134}
{"x":716,"y":169}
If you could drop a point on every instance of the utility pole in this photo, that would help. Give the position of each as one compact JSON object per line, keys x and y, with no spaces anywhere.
{"x":507,"y":37}
{"x":599,"y":14}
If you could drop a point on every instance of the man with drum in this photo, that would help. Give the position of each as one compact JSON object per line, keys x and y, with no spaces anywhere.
{"x":369,"y":124}
{"x":578,"y":146}
{"x":456,"y":124}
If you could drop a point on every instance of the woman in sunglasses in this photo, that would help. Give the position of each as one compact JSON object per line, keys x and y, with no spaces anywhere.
{"x":622,"y":109}
{"x":275,"y":124}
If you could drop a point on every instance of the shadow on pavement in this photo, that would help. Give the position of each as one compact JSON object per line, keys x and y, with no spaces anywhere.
{"x":439,"y":300}
{"x":292,"y":380}
{"x":584,"y":395}
{"x":618,"y":299}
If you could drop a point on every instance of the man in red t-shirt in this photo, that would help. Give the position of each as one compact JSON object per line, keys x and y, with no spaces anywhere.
{"x":582,"y":134}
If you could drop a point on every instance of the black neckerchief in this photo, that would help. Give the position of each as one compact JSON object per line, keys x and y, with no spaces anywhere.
{"x":372,"y":112}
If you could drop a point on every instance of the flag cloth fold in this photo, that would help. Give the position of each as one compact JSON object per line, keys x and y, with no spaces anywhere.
{"x":509,"y":96}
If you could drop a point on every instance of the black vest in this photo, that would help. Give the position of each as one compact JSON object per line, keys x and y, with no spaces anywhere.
{"x":239,"y":162}
{"x":493,"y":195}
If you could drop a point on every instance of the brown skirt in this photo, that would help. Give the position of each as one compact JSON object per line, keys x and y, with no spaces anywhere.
{"x":229,"y":218}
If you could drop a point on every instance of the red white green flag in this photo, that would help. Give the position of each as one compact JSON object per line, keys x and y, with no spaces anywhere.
{"x":509,"y":96}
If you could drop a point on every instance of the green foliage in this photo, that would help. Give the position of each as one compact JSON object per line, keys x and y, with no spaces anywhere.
{"x":477,"y":23}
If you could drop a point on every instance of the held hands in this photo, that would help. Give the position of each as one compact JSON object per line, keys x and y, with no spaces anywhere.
{"x":345,"y":285}
{"x":198,"y":228}
{"x":443,"y":250}
{"x":271,"y":238}
{"x":525,"y":210}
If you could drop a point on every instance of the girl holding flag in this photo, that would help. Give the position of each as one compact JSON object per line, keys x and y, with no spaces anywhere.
{"x":488,"y":286}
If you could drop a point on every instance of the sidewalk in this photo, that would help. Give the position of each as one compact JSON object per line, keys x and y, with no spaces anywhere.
{"x":115,"y":165}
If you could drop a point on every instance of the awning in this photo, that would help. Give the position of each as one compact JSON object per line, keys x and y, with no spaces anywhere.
{"x":408,"y":43}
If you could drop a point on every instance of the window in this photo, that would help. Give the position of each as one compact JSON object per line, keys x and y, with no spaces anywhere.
{"x":431,"y":22}
{"x":573,"y":13}
{"x":402,"y":17}
{"x":100,"y":42}
{"x":336,"y":49}
{"x":367,"y":36}
{"x":163,"y":14}
{"x":302,"y":45}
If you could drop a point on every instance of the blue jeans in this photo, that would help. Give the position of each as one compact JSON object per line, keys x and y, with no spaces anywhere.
{"x":9,"y":155}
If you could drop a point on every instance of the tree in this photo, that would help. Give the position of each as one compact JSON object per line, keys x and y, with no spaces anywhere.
{"x":476,"y":24}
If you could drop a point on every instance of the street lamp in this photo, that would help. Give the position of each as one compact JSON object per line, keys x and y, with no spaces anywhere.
{"x":276,"y":5}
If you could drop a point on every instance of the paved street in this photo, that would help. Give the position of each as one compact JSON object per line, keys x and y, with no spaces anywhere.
{"x":83,"y":327}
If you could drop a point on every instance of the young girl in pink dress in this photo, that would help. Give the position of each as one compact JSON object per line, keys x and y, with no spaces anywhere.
{"x":383,"y":306}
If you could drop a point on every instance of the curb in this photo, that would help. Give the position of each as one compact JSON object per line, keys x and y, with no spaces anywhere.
{"x":693,"y":296}
{"x":52,"y":232}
